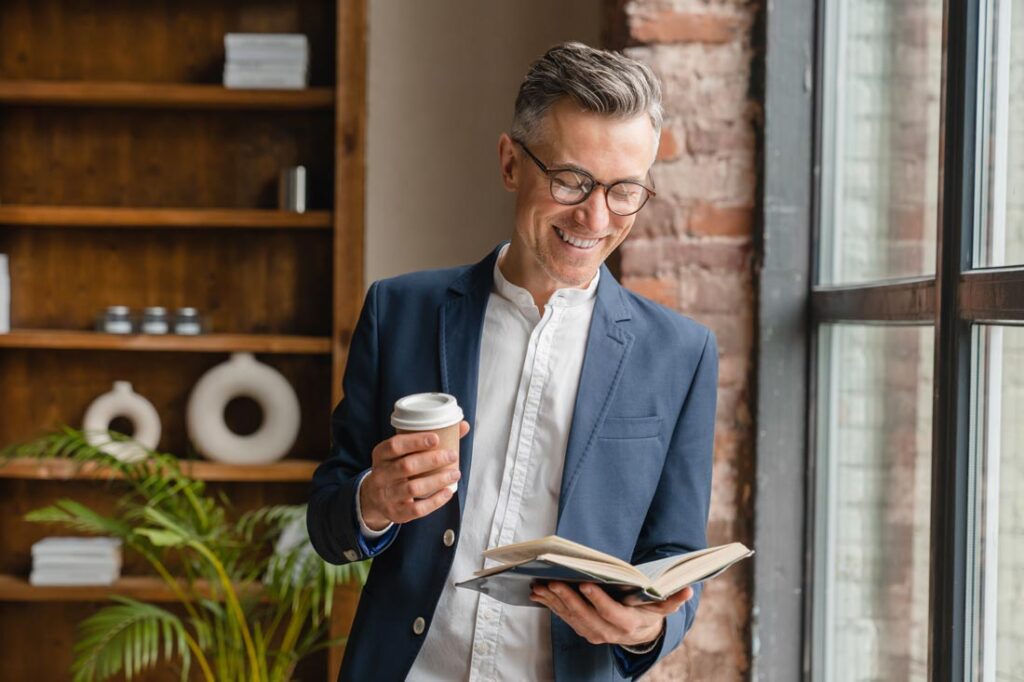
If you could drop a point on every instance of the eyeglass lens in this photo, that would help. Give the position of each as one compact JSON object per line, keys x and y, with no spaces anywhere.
{"x":624,"y":198}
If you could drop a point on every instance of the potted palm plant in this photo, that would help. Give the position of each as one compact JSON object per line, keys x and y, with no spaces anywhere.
{"x":253,"y":597}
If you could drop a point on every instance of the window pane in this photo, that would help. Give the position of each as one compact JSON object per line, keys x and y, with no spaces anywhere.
{"x":882,"y":80}
{"x":873,"y":496}
{"x":1001,"y":547}
{"x":1001,"y":230}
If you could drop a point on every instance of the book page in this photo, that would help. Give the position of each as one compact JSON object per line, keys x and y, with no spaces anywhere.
{"x":654,"y":569}
{"x":600,"y":569}
{"x":700,"y":568}
{"x":552,"y":544}
{"x":587,"y":570}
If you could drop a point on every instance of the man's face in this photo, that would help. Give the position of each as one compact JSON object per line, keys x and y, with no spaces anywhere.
{"x":555,"y":245}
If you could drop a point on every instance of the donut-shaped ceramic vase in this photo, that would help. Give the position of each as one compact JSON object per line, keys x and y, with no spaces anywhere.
{"x":242,"y":376}
{"x":123,"y":402}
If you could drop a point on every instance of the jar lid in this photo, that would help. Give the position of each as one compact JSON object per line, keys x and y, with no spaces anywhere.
{"x":426,"y":411}
{"x":117,"y":310}
{"x":187,"y":312}
{"x":155,"y":310}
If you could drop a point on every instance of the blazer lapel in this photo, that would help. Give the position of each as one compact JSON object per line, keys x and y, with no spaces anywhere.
{"x":460,"y":327}
{"x":608,"y":345}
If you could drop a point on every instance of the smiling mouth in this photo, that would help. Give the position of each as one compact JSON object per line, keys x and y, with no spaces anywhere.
{"x":575,"y":241}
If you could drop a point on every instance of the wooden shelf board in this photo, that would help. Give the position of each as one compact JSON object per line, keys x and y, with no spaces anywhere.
{"x":152,"y":589}
{"x":60,"y":339}
{"x":124,"y":217}
{"x":159,"y":95}
{"x":289,"y":470}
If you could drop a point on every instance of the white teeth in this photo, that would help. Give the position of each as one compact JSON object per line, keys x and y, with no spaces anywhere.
{"x":579,"y":243}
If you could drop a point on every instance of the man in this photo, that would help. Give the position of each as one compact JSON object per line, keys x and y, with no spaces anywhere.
{"x":592,"y":412}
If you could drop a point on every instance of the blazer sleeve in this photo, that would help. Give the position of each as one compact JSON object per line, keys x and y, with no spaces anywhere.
{"x":331,"y":515}
{"x":677,"y":519}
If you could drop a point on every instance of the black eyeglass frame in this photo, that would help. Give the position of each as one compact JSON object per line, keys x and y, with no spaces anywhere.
{"x":594,"y":183}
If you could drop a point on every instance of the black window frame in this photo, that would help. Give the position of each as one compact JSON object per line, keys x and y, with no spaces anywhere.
{"x":792,"y":309}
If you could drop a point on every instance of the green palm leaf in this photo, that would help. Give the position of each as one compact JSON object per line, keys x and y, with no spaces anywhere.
{"x":125,"y":638}
{"x":79,"y":517}
{"x":172,"y":521}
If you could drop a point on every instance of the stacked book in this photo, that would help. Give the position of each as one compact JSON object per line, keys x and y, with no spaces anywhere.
{"x":76,"y":561}
{"x":266,"y":60}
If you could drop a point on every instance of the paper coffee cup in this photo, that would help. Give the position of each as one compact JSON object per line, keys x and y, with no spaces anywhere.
{"x":437,"y":412}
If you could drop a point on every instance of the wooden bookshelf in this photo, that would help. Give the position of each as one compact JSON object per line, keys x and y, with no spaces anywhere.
{"x":294,"y":470}
{"x":159,"y":96}
{"x":122,"y":217}
{"x":17,"y":589}
{"x":130,"y":176}
{"x":59,"y":339}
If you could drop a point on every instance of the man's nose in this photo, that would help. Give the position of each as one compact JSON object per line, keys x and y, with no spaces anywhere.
{"x":593,"y":213}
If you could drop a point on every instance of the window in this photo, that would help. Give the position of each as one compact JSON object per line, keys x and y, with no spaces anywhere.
{"x":874,"y":489}
{"x":1000,"y":233}
{"x":999,"y":551}
{"x":882,"y":64}
{"x":916,"y":517}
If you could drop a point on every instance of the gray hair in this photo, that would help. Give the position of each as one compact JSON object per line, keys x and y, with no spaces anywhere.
{"x":599,"y":81}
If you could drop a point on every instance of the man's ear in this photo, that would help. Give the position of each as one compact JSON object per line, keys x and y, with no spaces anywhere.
{"x":509,"y":163}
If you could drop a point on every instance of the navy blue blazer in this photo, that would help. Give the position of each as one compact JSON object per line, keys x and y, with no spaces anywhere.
{"x":637,"y":474}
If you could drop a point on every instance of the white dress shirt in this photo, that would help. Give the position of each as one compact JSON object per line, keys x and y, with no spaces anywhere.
{"x":530,"y":366}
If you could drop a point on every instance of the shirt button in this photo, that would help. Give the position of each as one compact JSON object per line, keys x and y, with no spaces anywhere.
{"x":351,"y":554}
{"x":449,"y":538}
{"x":419,"y":625}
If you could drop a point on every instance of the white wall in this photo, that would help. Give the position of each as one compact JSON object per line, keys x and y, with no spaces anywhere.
{"x":443,"y":77}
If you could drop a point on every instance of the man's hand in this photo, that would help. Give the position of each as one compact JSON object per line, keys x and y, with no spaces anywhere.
{"x":601,"y":620}
{"x":406,"y":481}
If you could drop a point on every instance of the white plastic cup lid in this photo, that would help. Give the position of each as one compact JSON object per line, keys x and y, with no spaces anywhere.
{"x":426,"y":411}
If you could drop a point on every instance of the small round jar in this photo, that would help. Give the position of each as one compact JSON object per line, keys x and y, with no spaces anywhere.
{"x":116,"y":319}
{"x":187,"y":322}
{"x":154,"y":320}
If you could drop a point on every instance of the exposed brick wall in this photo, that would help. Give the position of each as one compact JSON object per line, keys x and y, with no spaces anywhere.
{"x":692,"y":250}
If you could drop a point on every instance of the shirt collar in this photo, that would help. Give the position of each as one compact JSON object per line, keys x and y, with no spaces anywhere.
{"x":568,"y":297}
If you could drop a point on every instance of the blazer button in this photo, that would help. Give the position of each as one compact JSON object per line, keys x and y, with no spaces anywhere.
{"x":351,"y":554}
{"x":419,"y":625}
{"x":449,"y":538}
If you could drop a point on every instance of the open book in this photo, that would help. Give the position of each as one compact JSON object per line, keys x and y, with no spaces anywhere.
{"x":555,"y":558}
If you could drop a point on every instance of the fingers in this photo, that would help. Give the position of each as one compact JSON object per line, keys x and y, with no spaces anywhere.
{"x":670,"y":605}
{"x":598,"y":618}
{"x":463,"y":429}
{"x":418,"y":508}
{"x":568,"y":606}
{"x":406,"y":476}
{"x":409,"y":500}
{"x":606,"y":607}
{"x":404,"y":444}
{"x":411,"y":466}
{"x":425,"y":486}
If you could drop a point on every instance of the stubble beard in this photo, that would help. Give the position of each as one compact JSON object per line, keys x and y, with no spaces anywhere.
{"x":548,"y":263}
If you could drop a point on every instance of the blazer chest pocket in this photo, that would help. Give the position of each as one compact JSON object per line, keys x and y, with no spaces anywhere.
{"x":630,"y":428}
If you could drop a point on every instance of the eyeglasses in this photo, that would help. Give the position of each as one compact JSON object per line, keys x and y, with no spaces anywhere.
{"x":570,"y":186}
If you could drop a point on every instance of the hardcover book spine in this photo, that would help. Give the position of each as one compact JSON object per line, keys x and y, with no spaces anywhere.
{"x":5,"y":295}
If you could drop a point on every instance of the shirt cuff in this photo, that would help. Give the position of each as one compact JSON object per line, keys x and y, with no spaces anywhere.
{"x":367,"y":532}
{"x":632,"y":659}
{"x":371,"y":543}
{"x":644,"y":648}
